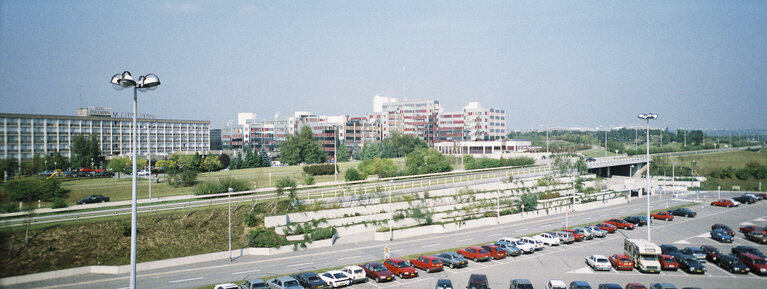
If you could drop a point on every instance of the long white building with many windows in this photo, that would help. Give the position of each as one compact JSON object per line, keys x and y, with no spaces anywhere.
{"x":25,"y":135}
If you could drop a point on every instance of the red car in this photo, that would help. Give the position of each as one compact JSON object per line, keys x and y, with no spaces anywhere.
{"x":607,"y":227}
{"x":667,"y":262}
{"x":496,"y":252}
{"x":712,"y":253}
{"x":751,"y":228}
{"x":724,"y":203}
{"x":757,"y":264}
{"x":621,"y":224}
{"x":475,"y":253}
{"x":762,"y":195}
{"x":635,"y":286}
{"x":427,"y":263}
{"x":377,"y":272}
{"x":621,"y":262}
{"x":662,"y":216}
{"x":577,"y":236}
{"x":401,"y":268}
{"x":725,"y":228}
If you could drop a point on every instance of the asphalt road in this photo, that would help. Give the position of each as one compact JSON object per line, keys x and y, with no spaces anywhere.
{"x":564,"y":262}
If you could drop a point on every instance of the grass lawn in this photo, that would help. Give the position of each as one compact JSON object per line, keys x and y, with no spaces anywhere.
{"x":597,"y":153}
{"x":706,"y":163}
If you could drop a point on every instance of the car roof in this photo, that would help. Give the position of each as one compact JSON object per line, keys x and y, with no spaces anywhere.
{"x":256,"y":281}
{"x":752,"y":256}
{"x":557,"y":282}
{"x":599,"y":256}
{"x":621,"y":255}
{"x":396,"y":259}
{"x":353,"y":267}
{"x":521,"y":281}
{"x":285,"y":278}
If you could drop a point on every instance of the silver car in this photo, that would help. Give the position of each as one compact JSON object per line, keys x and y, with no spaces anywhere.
{"x":565,"y":237}
{"x":599,"y":233}
{"x":586,"y":233}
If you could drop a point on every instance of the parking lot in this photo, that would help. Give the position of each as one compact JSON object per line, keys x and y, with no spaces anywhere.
{"x":567,"y":262}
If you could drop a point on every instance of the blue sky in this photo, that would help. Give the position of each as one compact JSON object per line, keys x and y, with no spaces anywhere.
{"x":698,"y":64}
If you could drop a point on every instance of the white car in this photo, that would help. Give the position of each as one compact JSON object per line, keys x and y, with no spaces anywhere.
{"x":355,"y":273}
{"x":336,"y":278}
{"x":525,"y":247}
{"x":597,"y":231}
{"x":548,"y":238}
{"x":537,"y":244}
{"x":556,"y":284}
{"x":735,"y":203}
{"x":599,"y":262}
{"x":226,"y":286}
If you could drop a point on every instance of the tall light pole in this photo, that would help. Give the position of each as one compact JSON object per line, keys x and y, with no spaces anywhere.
{"x":605,"y":142}
{"x":146,"y":82}
{"x":673,"y":177}
{"x":647,"y":117}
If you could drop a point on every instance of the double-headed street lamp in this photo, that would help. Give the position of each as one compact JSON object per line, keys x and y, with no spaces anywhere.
{"x":647,"y":117}
{"x":146,"y":82}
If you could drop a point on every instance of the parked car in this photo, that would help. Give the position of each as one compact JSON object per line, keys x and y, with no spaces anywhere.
{"x":745,"y":199}
{"x":756,"y":197}
{"x":733,"y":264}
{"x":526,"y":248}
{"x":577,"y":236}
{"x":520,"y":284}
{"x":579,"y":285}
{"x":586,"y":234}
{"x":284,"y":282}
{"x":636,"y":220}
{"x":695,"y":252}
{"x":712,"y":253}
{"x":662,"y":216}
{"x":621,"y":262}
{"x":763,"y":195}
{"x":355,"y":273}
{"x":427,"y":263}
{"x":453,"y":260}
{"x":311,"y":280}
{"x":609,"y":286}
{"x":684,"y":212}
{"x":556,"y":284}
{"x":599,"y":233}
{"x":496,"y":253}
{"x":635,"y":286}
{"x":549,"y":238}
{"x":667,"y":262}
{"x":690,"y":264}
{"x":725,"y":203}
{"x":474,"y":253}
{"x":721,"y":236}
{"x":662,"y":286}
{"x":668,"y":249}
{"x":725,"y":228}
{"x":93,"y":199}
{"x":400,"y":267}
{"x":751,"y":228}
{"x":511,"y":248}
{"x":444,"y":284}
{"x":739,"y":250}
{"x":336,"y":278}
{"x":254,"y":284}
{"x":607,"y":227}
{"x":103,"y":174}
{"x":537,"y":244}
{"x":757,"y":236}
{"x":566,"y":237}
{"x":621,"y":224}
{"x":478,"y":281}
{"x":226,"y":286}
{"x":755,"y":263}
{"x":598,"y":263}
{"x":377,"y":272}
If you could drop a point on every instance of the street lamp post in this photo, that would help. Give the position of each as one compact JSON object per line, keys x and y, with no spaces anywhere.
{"x":146,"y":82}
{"x":692,"y":169}
{"x":673,"y":177}
{"x":647,"y":117}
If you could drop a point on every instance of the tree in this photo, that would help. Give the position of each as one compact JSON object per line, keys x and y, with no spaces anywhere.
{"x":302,"y":148}
{"x":353,"y":175}
{"x":236,"y":162}
{"x":757,"y":170}
{"x":9,"y":165}
{"x":182,"y":170}
{"x":56,"y":161}
{"x":224,"y":160}
{"x":384,"y":168}
{"x":34,"y":188}
{"x":120,"y":164}
{"x":370,"y":151}
{"x":561,"y":164}
{"x":529,"y":200}
{"x":86,"y":151}
{"x":342,"y":153}
{"x":264,"y":160}
{"x":210,"y":163}
{"x":251,"y":159}
{"x":404,"y":144}
{"x":581,"y":166}
{"x":290,"y":184}
{"x":426,"y":161}
{"x":695,"y":137}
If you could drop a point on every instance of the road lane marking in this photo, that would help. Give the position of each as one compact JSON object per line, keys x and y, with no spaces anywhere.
{"x":496,"y":234}
{"x":350,"y":257}
{"x":521,"y":230}
{"x":392,"y":251}
{"x":185,"y":280}
{"x":463,"y":240}
{"x":302,"y":264}
{"x":431,"y":245}
{"x":246,"y":272}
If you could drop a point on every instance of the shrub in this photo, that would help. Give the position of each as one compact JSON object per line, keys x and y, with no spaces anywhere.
{"x":221,"y":186}
{"x":322,"y":233}
{"x":319,"y":170}
{"x":265,"y":238}
{"x":308,"y":180}
{"x":9,"y":208}
{"x":59,"y":203}
{"x":34,"y":188}
{"x":353,"y":175}
{"x":743,"y":174}
{"x":254,"y":219}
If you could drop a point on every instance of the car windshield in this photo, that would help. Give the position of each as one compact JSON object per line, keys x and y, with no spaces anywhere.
{"x":379,"y":268}
{"x":625,"y":260}
{"x":759,"y":261}
{"x":525,"y":286}
{"x":600,"y":260}
{"x":669,"y":260}
{"x":402,"y":264}
{"x":648,"y":258}
{"x":696,"y":251}
{"x":483,"y":251}
{"x":339,"y":275}
{"x":291,"y":283}
{"x":313,"y":278}
{"x":358,"y":271}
